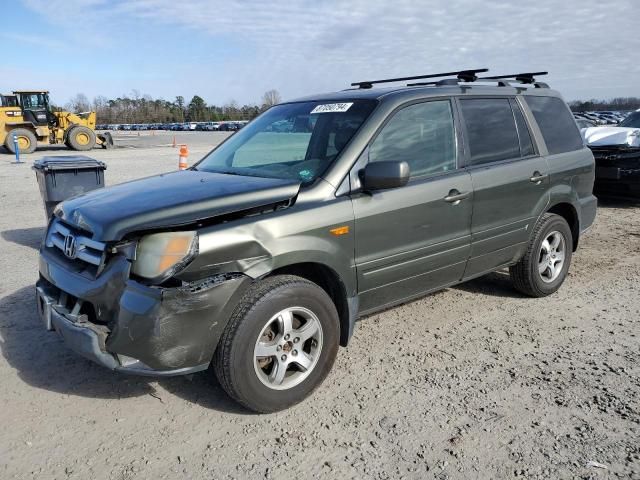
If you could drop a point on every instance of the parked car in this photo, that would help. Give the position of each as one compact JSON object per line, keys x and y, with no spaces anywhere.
{"x":585,"y":123}
{"x":229,"y":126}
{"x":617,"y":153}
{"x":259,"y":259}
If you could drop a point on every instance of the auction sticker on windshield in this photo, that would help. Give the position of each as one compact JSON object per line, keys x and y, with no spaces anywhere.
{"x":332,"y":108}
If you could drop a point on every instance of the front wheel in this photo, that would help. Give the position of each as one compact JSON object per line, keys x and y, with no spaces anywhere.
{"x":81,"y":138}
{"x":279,"y":345}
{"x":545,"y":265}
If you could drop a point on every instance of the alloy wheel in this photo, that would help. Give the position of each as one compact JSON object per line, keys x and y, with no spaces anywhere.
{"x":288,"y":348}
{"x":551,"y":258}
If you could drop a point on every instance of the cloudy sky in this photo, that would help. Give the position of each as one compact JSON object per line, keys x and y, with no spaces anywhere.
{"x":225,"y":50}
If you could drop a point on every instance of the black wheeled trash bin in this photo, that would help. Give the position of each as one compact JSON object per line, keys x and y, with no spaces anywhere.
{"x":60,"y":178}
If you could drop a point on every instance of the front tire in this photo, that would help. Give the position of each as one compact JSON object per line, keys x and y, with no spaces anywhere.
{"x":546,"y":262}
{"x":81,"y":138}
{"x":279,"y":344}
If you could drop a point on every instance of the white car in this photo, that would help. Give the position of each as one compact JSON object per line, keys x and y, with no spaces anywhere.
{"x":625,"y":134}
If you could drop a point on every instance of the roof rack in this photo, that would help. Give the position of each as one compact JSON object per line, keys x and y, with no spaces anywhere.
{"x":527,"y":78}
{"x":463,"y":76}
{"x":519,"y":77}
{"x":502,"y":80}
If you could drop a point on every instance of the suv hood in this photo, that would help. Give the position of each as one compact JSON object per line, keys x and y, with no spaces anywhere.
{"x":605,"y":136}
{"x":170,"y":200}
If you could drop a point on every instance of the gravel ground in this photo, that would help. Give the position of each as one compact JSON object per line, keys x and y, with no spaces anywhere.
{"x":473,"y":382}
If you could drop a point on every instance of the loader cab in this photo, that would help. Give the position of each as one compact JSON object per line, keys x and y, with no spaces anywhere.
{"x":35,"y":107}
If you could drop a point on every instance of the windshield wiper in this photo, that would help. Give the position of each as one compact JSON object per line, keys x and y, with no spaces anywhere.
{"x":244,"y":173}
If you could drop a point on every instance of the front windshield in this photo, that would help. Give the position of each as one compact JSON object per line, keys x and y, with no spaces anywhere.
{"x":33,"y":100}
{"x":632,"y":121}
{"x":291,"y":141}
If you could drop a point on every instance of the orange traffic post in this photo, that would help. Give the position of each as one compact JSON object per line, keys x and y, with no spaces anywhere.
{"x":174,"y":142}
{"x":182,"y":159}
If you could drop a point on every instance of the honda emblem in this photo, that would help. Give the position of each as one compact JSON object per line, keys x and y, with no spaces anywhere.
{"x":70,"y":248}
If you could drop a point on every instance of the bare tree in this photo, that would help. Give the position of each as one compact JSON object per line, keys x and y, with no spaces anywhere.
{"x":79,"y":103}
{"x":101,"y":107}
{"x":270,"y":98}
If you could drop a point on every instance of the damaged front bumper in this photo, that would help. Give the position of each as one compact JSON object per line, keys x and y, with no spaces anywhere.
{"x":617,"y":170}
{"x":129,"y":327}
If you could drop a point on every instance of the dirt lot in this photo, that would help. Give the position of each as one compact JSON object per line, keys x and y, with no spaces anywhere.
{"x":473,"y":382}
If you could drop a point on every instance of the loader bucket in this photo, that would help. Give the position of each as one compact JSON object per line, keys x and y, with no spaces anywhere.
{"x":105,"y":140}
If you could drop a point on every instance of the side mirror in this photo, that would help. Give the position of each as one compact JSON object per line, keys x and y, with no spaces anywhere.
{"x":384,"y":175}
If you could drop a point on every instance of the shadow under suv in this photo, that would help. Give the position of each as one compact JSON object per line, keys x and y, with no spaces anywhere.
{"x":258,"y":260}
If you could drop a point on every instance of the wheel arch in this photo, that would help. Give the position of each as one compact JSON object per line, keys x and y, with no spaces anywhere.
{"x":329,"y":280}
{"x":567,"y":211}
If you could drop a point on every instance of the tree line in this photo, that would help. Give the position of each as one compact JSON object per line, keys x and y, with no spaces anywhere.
{"x":621,"y":103}
{"x":137,"y":108}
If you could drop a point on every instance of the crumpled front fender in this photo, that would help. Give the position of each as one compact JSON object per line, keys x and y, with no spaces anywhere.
{"x":257,"y":247}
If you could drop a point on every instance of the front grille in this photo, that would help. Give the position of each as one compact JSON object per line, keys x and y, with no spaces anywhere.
{"x":75,"y":246}
{"x":73,"y":308}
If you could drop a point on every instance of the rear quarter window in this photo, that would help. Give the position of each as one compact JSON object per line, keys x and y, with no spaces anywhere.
{"x":556,"y":123}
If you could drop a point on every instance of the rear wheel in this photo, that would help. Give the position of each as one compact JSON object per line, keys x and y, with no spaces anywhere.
{"x":81,"y":138}
{"x":544,"y":266}
{"x":279,"y":345}
{"x":27,"y":141}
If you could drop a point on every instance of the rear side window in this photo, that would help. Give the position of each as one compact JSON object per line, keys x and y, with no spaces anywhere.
{"x":491,"y":129}
{"x":421,"y":135}
{"x":556,"y":123}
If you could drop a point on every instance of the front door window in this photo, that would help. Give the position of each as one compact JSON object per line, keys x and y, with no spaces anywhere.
{"x":422,"y":135}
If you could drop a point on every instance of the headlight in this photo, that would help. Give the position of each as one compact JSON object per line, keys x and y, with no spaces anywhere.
{"x":160,"y":255}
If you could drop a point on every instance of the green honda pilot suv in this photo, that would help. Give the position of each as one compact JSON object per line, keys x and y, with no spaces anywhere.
{"x":256,"y":262}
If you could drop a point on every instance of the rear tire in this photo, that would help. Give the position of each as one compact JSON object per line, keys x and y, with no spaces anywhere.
{"x":26,"y":139}
{"x":279,"y":344}
{"x":546,"y":262}
{"x":81,"y":138}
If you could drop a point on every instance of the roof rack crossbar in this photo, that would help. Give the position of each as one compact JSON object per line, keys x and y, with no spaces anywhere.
{"x":528,"y":77}
{"x":463,"y":75}
{"x":452,"y":81}
{"x":444,"y":81}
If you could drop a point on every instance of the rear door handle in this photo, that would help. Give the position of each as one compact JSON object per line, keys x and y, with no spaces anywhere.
{"x":455,"y":196}
{"x":537,"y":178}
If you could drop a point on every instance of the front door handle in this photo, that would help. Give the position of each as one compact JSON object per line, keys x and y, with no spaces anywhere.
{"x":537,"y":178}
{"x":455,"y":196}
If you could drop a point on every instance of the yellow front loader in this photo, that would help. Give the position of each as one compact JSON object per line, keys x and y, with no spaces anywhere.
{"x":26,"y":118}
